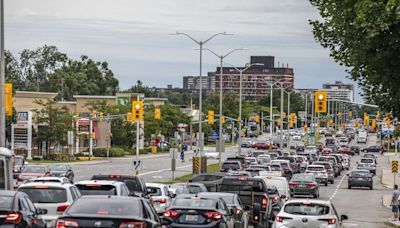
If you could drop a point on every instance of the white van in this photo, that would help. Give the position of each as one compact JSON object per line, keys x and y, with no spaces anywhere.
{"x":362,"y":137}
{"x":280,"y":183}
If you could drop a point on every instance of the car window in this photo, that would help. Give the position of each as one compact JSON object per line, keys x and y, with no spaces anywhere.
{"x":228,"y":199}
{"x":45,"y":194}
{"x":73,"y":193}
{"x":34,"y":169}
{"x":96,"y":189}
{"x":301,"y":177}
{"x":6,"y":202}
{"x":309,"y":209}
{"x":154,"y":191}
{"x":23,"y":205}
{"x":314,"y":168}
{"x":193,"y":202}
{"x":106,"y":207}
{"x":363,"y":160}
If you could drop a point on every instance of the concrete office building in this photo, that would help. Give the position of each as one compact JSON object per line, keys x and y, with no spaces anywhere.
{"x":339,"y":90}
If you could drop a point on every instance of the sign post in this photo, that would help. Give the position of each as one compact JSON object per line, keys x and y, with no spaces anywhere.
{"x":395,"y":169}
{"x":172,"y":155}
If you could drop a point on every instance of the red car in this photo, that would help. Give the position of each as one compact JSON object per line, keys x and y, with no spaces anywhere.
{"x":346,"y":150}
{"x":33,"y":171}
{"x":326,"y":151}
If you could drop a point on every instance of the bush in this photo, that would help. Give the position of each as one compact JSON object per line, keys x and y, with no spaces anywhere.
{"x":60,"y":157}
{"x":114,"y":152}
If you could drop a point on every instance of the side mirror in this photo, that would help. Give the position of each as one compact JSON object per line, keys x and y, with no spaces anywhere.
{"x":344,"y":217}
{"x":283,"y":196}
{"x":165,"y":222}
{"x":171,"y":194}
{"x":41,"y":211}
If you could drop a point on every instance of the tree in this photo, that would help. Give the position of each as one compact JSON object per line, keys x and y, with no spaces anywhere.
{"x":363,"y":36}
{"x":53,"y":121}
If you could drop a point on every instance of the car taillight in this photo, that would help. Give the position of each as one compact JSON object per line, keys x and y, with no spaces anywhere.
{"x":63,"y":223}
{"x":292,"y":184}
{"x":132,"y":225}
{"x":311,"y":185}
{"x":62,"y":208}
{"x":264,"y":202}
{"x":15,"y":218}
{"x":331,"y":221}
{"x":238,"y":212}
{"x":213,"y":215}
{"x":163,"y":200}
{"x":275,"y":198}
{"x":278,"y":219}
{"x":171,"y":214}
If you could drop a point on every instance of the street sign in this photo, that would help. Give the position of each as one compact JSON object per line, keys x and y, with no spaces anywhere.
{"x":395,"y":166}
{"x":323,"y":117}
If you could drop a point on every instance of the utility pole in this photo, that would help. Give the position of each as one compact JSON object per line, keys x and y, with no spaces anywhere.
{"x":108,"y":135}
{"x":90,"y":136}
{"x":312,"y":116}
{"x":281,"y":127}
{"x":2,"y":81}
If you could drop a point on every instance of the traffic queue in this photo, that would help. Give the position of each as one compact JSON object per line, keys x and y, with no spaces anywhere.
{"x":259,"y":188}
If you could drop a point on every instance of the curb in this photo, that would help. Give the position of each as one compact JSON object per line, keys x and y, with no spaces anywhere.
{"x":391,"y":224}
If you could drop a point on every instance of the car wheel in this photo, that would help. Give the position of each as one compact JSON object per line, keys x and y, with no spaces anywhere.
{"x":349,"y":186}
{"x":370,"y":188}
{"x":326,"y":183}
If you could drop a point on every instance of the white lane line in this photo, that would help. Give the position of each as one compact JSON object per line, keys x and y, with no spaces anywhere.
{"x":339,"y":184}
{"x":163,"y":170}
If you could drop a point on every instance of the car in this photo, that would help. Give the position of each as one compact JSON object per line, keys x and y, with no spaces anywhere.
{"x":296,"y":137}
{"x":367,"y":164}
{"x":250,"y":161}
{"x":17,"y":210}
{"x":199,"y":211}
{"x":329,"y":169}
{"x":103,"y":187}
{"x":339,"y":134}
{"x":373,"y":156}
{"x":61,"y":170}
{"x":231,"y":165}
{"x":294,"y":164}
{"x":334,"y":163}
{"x":135,"y":184}
{"x":355,"y":149}
{"x":233,"y":202}
{"x":276,"y":200}
{"x":31,"y":172}
{"x":285,"y":165}
{"x":319,"y":172}
{"x":326,"y":151}
{"x":62,"y":180}
{"x":372,"y":149}
{"x":362,"y":137}
{"x":110,"y":211}
{"x":160,"y":196}
{"x":19,"y":164}
{"x":304,"y":184}
{"x":54,"y":197}
{"x":256,"y":171}
{"x":193,"y":187}
{"x":281,"y":184}
{"x":308,"y":213}
{"x":264,"y":158}
{"x":210,"y":180}
{"x":345,"y":150}
{"x":211,"y":154}
{"x":360,"y":178}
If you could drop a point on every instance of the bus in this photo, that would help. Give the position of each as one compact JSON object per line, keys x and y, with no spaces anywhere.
{"x":6,"y":169}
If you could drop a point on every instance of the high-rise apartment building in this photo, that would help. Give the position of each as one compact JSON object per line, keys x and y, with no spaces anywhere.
{"x":339,"y":90}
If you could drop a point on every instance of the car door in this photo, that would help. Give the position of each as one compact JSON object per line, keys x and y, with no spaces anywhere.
{"x":36,"y":220}
{"x":226,"y":213}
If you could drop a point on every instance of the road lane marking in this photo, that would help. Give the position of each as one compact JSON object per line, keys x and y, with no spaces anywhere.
{"x":340,"y":183}
{"x":163,"y":170}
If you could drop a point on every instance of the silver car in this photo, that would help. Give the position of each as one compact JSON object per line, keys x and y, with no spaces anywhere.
{"x":160,"y":195}
{"x":308,"y":213}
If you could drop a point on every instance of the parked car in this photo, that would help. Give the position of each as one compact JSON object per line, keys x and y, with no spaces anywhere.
{"x":308,"y":213}
{"x":304,"y":184}
{"x":62,"y":171}
{"x":210,"y":180}
{"x":160,"y":196}
{"x":109,"y":211}
{"x":102,"y":187}
{"x":135,"y":184}
{"x":195,"y":211}
{"x":54,"y":197}
{"x":234,"y":204}
{"x":320,"y":173}
{"x":31,"y":172}
{"x":360,"y":178}
{"x":17,"y":210}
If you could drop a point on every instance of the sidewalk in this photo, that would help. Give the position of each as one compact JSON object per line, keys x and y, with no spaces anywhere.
{"x":387,"y":180}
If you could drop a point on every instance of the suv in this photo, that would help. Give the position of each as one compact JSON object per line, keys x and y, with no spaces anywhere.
{"x":135,"y":184}
{"x":285,"y":164}
{"x":367,"y":164}
{"x":210,"y":180}
{"x":231,"y":165}
{"x":253,"y":192}
{"x":94,"y":187}
{"x":329,"y":169}
{"x":333,"y":161}
{"x":160,"y":196}
{"x":51,"y":196}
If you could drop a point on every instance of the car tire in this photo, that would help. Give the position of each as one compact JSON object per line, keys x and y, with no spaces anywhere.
{"x":371,"y":187}
{"x":349,"y":186}
{"x":326,"y":183}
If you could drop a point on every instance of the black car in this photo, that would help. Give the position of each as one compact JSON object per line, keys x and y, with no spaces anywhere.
{"x":355,"y":149}
{"x":135,"y":184}
{"x":360,"y":178}
{"x":62,"y":171}
{"x":109,"y":211}
{"x":233,"y":202}
{"x":18,"y":211}
{"x":373,"y":149}
{"x":198,"y":211}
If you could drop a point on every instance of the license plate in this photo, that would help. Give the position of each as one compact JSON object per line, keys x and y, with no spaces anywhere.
{"x":302,"y":185}
{"x":192,"y":218}
{"x":360,"y":178}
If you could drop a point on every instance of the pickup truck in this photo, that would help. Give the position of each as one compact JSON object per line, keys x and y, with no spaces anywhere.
{"x":253,"y":192}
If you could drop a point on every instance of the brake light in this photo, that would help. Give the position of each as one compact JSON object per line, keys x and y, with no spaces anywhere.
{"x":132,"y":225}
{"x":171,"y":214}
{"x":163,"y":200}
{"x":41,"y":187}
{"x":264,"y":202}
{"x":213,"y":215}
{"x":292,"y":184}
{"x":279,"y":219}
{"x":275,"y":198}
{"x":62,"y":208}
{"x":311,"y":185}
{"x":15,"y":218}
{"x":93,"y":185}
{"x":331,"y":221}
{"x":114,"y":176}
{"x":242,"y":178}
{"x":62,"y":223}
{"x":238,"y":212}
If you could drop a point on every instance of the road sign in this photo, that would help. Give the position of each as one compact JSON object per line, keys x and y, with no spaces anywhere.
{"x":395,"y":166}
{"x":323,"y":117}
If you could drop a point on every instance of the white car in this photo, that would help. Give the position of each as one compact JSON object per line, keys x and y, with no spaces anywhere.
{"x":212,"y":154}
{"x":160,"y":195}
{"x":55,"y":197}
{"x":281,"y":183}
{"x":61,"y":180}
{"x":296,"y":137}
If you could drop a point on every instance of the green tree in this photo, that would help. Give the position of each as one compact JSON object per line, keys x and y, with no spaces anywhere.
{"x":363,"y":36}
{"x":54,"y":122}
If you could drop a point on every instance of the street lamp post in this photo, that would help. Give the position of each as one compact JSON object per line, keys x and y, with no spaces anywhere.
{"x":200,"y":43}
{"x":240,"y":100}
{"x":221,"y":58}
{"x":288,"y":107}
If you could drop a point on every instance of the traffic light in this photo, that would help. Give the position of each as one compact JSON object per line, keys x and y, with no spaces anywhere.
{"x":157,"y":113}
{"x":283,"y":114}
{"x":388,"y":121}
{"x":350,"y":114}
{"x":331,"y":123}
{"x":93,"y":135}
{"x":257,"y":119}
{"x":339,"y":114}
{"x":366,"y":119}
{"x":101,"y":116}
{"x":356,"y":124}
{"x":320,"y":101}
{"x":129,"y":117}
{"x":292,"y":119}
{"x":94,"y":114}
{"x":278,"y":122}
{"x":378,"y":114}
{"x":223,"y":119}
{"x":211,"y":117}
{"x":137,"y":110}
{"x":9,"y":103}
{"x":373,"y":124}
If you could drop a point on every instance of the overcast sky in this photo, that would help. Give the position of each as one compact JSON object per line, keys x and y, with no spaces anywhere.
{"x":132,"y":35}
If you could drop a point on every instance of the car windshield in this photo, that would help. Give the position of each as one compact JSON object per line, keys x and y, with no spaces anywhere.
{"x":309,"y":209}
{"x":6,"y":203}
{"x":228,"y":199}
{"x":181,"y":190}
{"x":154,"y":191}
{"x":58,"y":167}
{"x":301,"y":177}
{"x":315,"y":168}
{"x":195,"y":203}
{"x":206,"y":178}
{"x":193,"y":189}
{"x":239,"y":185}
{"x":97,"y":189}
{"x":45,"y":194}
{"x":34,"y":169}
{"x":106,"y":207}
{"x":367,"y":160}
{"x":230,"y":166}
{"x":19,"y":161}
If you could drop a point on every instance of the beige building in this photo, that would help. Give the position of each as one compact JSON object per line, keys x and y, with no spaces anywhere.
{"x":24,"y":101}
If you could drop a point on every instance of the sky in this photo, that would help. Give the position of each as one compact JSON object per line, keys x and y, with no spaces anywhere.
{"x":133,"y":36}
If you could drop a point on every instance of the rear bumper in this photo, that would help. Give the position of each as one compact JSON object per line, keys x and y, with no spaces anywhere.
{"x":210,"y":225}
